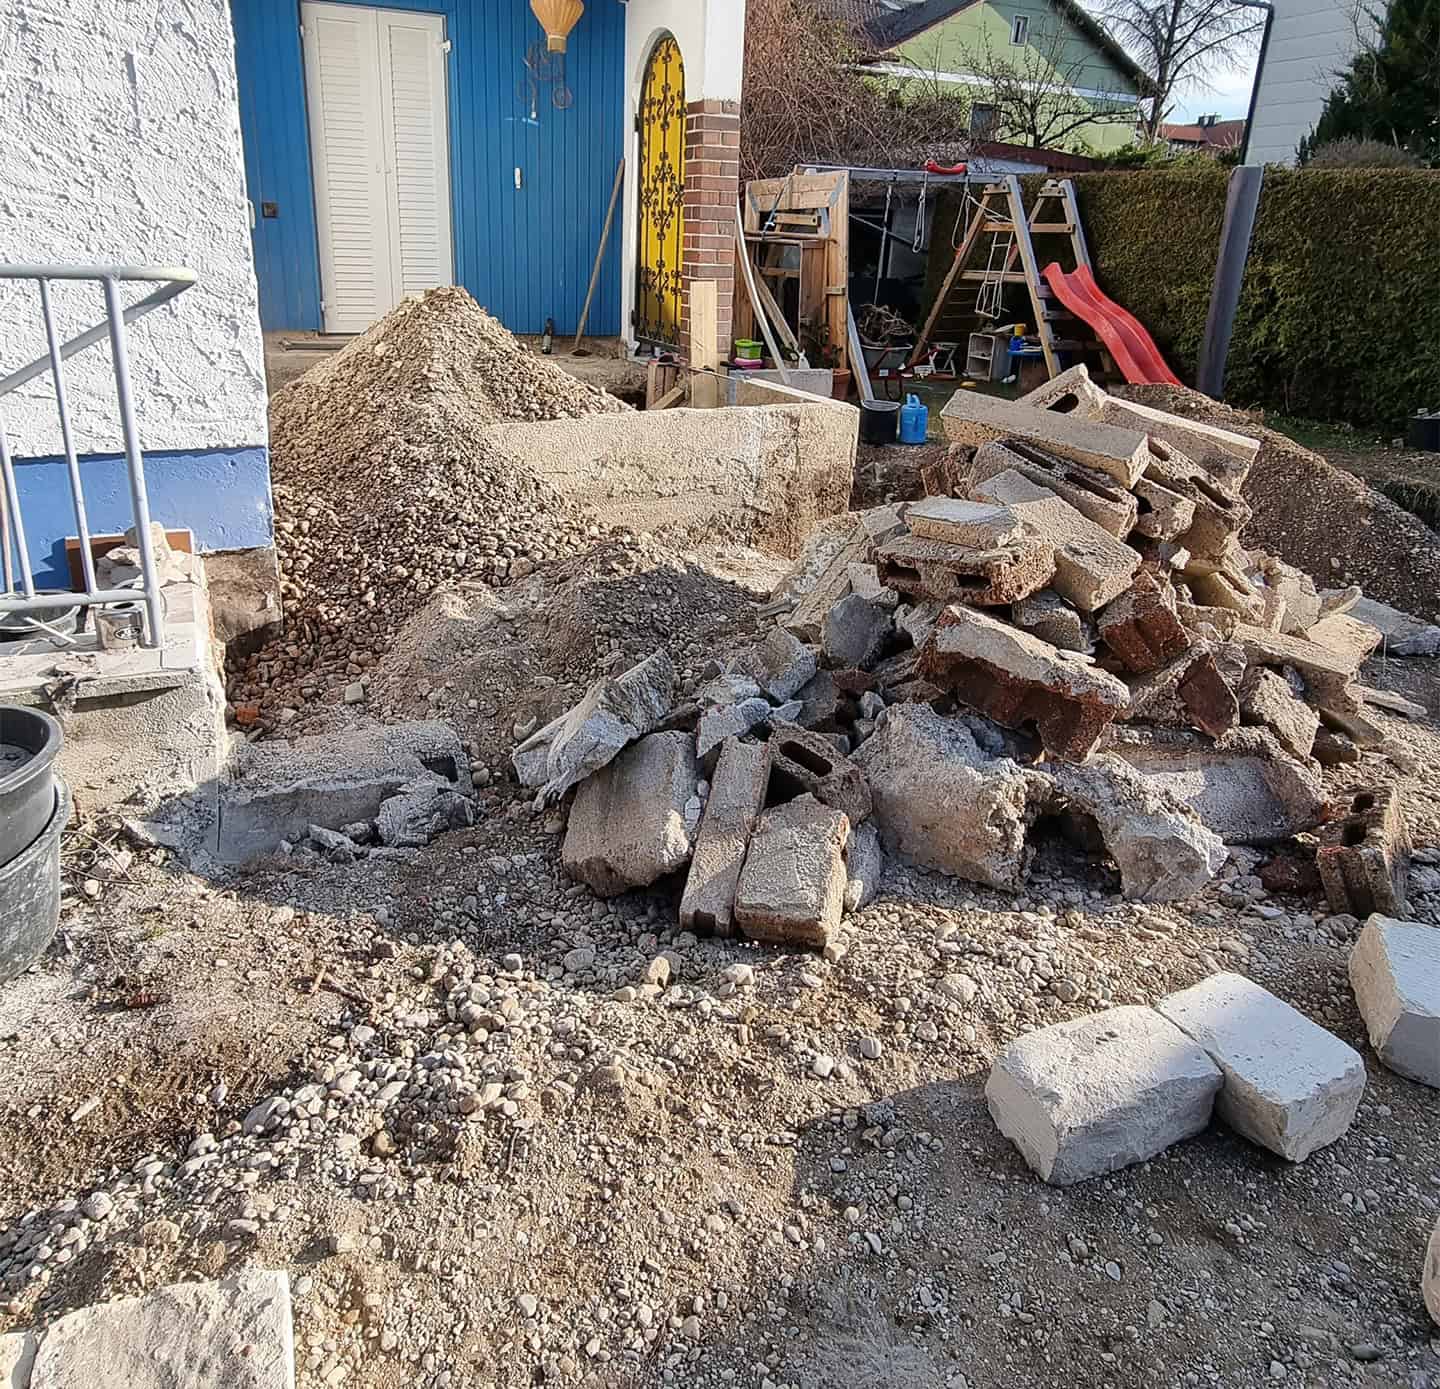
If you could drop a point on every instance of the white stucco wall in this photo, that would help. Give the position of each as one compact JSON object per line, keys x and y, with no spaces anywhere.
{"x":1310,"y":42}
{"x":711,"y":35}
{"x":120,"y":143}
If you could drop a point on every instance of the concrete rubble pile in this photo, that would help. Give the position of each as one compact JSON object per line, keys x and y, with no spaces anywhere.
{"x":1076,"y":634}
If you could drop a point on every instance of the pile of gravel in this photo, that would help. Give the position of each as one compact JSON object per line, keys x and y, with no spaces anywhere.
{"x":386,"y":485}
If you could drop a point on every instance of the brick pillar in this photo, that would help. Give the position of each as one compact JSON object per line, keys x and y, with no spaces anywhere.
{"x":712,"y":181}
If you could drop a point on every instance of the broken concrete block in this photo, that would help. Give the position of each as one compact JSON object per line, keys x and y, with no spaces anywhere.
{"x":865,"y":582}
{"x":1164,"y":513}
{"x":1401,"y":634}
{"x":781,"y":664}
{"x":1348,"y":638}
{"x":1141,"y":628}
{"x":628,"y":824}
{"x":1094,"y":495}
{"x":1017,"y":679}
{"x":1048,"y":616}
{"x":973,"y":525}
{"x":1395,"y":972}
{"x":1333,"y":749}
{"x":1099,"y":1093}
{"x":616,"y":710}
{"x":973,"y":418}
{"x":1266,"y":700}
{"x":1162,"y":849}
{"x":1224,"y":454}
{"x":802,"y":762}
{"x":819,"y":702}
{"x":1073,"y":392}
{"x":1248,"y":790}
{"x":881,"y":523}
{"x":933,"y":569}
{"x":732,"y":722}
{"x":944,"y":803}
{"x":1295,"y":590}
{"x":421,"y":810}
{"x":737,"y":793}
{"x":864,"y":865}
{"x":236,"y":1333}
{"x":1225,"y":586}
{"x":822,"y":591}
{"x":1091,"y":567}
{"x":1190,"y":692}
{"x":1290,"y":1085}
{"x":278,"y":789}
{"x":1430,"y":1276}
{"x":855,"y":631}
{"x":17,"y":1358}
{"x":1219,"y":512}
{"x":1308,"y":657}
{"x":1364,"y":854}
{"x":792,"y":887}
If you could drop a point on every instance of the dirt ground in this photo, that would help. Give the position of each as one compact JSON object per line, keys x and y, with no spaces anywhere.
{"x":661,"y":1187}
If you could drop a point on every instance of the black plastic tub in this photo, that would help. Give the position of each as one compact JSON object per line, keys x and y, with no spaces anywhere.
{"x":30,"y":891}
{"x":29,"y":744}
{"x":880,"y":421}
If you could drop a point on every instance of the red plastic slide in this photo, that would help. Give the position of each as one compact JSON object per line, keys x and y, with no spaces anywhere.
{"x":1126,"y":340}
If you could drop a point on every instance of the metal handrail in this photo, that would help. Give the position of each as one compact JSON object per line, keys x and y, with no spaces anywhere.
{"x":172,"y":281}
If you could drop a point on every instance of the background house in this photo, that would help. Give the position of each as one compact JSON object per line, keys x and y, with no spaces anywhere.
{"x":965,"y":43}
{"x":437,"y":141}
{"x":1310,"y":42}
{"x":1208,"y":135}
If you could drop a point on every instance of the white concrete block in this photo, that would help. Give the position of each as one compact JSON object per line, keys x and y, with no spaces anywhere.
{"x":1430,"y":1277}
{"x":17,"y":1356}
{"x":1091,"y":1096}
{"x":234,"y":1334}
{"x":1290,"y":1085}
{"x":1395,"y":972}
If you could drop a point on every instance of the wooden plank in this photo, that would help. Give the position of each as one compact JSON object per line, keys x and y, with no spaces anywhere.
{"x":673,"y":396}
{"x":747,"y":273}
{"x":956,"y":271}
{"x":1077,"y":235}
{"x":705,"y":343}
{"x":770,"y":307}
{"x":1032,"y":273}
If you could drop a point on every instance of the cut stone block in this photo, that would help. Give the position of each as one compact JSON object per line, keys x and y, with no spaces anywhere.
{"x":864,"y":864}
{"x":1250,"y":791}
{"x":1091,"y":567}
{"x":615,"y":712}
{"x":1364,"y":854}
{"x":802,"y":762}
{"x":1017,"y":679}
{"x":975,"y":525}
{"x":1091,"y":1096}
{"x":782,"y":664}
{"x":1290,"y":1085}
{"x":1163,"y":851}
{"x":279,"y":789}
{"x":1402,"y":634}
{"x":1095,"y":496}
{"x":628,"y":825}
{"x":1048,"y":616}
{"x":234,"y":1334}
{"x":792,"y":887}
{"x":737,"y":793}
{"x":1395,"y":972}
{"x":973,"y":418}
{"x":948,"y":573}
{"x":944,"y":803}
{"x":1141,"y":628}
{"x":1266,"y":700}
{"x":855,"y":631}
{"x":1224,"y":454}
{"x":1073,"y":392}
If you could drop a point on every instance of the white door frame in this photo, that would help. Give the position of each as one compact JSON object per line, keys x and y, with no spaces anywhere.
{"x":385,"y":211}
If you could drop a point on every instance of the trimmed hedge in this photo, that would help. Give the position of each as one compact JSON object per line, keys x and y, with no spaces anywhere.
{"x":1339,"y":317}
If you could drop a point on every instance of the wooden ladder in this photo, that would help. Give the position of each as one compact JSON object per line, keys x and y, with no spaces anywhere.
{"x":1001,"y":213}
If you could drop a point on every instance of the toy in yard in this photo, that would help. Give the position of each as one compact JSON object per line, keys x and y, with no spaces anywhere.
{"x":1056,"y":297}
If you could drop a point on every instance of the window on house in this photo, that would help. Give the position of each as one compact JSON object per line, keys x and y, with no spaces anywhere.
{"x":1019,"y":29}
{"x":982,"y":120}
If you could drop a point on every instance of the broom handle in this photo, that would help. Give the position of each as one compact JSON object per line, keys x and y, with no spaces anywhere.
{"x":600,"y":254}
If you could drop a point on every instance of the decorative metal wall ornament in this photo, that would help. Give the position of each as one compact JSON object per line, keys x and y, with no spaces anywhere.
{"x":661,"y":240}
{"x":544,"y":69}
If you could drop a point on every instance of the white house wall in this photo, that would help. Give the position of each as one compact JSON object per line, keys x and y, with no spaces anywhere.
{"x":1310,"y":42}
{"x":120,"y":143}
{"x":711,"y":36}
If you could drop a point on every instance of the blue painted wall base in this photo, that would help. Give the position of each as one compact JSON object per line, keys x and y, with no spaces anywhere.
{"x":221,"y":495}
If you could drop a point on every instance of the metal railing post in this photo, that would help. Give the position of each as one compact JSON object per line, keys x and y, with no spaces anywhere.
{"x":12,"y":506}
{"x":140,"y":502}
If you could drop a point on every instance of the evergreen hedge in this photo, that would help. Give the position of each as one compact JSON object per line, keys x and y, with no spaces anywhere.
{"x":1339,"y":317}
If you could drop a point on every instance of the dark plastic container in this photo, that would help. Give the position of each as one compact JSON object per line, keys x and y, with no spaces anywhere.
{"x":26,"y":792}
{"x":1423,"y":431}
{"x":879,"y":421}
{"x":30,"y":891}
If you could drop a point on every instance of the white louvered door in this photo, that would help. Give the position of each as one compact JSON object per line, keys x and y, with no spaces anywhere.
{"x":375,"y":80}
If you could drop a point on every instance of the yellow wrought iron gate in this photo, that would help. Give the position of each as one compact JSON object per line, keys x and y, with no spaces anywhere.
{"x":661,"y":241}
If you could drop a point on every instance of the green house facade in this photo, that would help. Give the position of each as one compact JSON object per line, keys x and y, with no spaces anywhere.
{"x":1048,"y":45}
